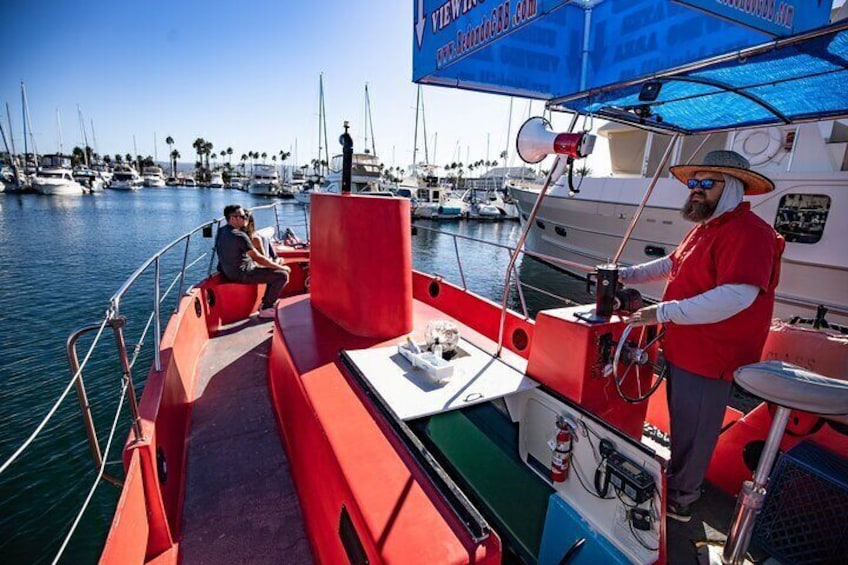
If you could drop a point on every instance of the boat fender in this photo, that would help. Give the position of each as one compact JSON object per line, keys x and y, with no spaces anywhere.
{"x":759,"y":146}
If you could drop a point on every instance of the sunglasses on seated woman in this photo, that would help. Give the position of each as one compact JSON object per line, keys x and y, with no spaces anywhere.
{"x":706,"y":184}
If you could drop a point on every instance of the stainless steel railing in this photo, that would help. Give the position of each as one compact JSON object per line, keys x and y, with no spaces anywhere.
{"x":520,"y":285}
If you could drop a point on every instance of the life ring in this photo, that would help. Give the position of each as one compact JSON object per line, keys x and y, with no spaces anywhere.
{"x":760,"y":145}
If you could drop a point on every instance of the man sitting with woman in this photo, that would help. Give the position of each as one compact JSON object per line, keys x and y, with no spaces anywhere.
{"x":241,"y":262}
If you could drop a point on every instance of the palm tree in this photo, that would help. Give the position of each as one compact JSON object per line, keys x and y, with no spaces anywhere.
{"x":198,"y":145}
{"x":264,"y":156}
{"x":230,"y":154}
{"x":174,"y":156}
{"x":207,"y":149}
{"x":118,"y":158}
{"x":243,"y":162}
{"x":129,"y":158}
{"x":170,"y":141}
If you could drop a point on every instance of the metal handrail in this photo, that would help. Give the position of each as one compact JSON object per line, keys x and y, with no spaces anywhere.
{"x":518,"y":282}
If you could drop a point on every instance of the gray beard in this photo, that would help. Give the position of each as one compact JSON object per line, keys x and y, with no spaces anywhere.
{"x":697,"y":211}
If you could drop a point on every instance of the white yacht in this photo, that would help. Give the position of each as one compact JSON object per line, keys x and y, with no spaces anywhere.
{"x":809,"y":207}
{"x":432,"y":199}
{"x":290,"y":189}
{"x":103,"y":170}
{"x":482,"y":204}
{"x":90,"y":180}
{"x":216,"y":180}
{"x":366,"y":175}
{"x":55,"y":177}
{"x":264,"y":181}
{"x":153,"y":176}
{"x":125,"y":177}
{"x":237,"y":181}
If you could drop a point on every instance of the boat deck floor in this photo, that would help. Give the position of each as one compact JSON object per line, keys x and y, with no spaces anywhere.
{"x":240,"y":501}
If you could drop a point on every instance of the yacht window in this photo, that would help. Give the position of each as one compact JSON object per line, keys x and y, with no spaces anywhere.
{"x":801,"y":217}
{"x":541,"y":224}
{"x":560,"y":231}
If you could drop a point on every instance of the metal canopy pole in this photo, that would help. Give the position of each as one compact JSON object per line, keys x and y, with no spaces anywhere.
{"x":647,"y":195}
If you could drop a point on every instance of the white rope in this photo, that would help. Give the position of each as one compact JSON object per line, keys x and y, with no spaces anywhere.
{"x":100,"y":472}
{"x":55,"y":407}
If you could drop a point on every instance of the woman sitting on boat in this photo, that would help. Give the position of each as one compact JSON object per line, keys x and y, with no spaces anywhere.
{"x":716,"y":308}
{"x":260,"y":243}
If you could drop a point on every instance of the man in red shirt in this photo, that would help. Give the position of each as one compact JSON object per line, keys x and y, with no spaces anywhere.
{"x":716,"y":309}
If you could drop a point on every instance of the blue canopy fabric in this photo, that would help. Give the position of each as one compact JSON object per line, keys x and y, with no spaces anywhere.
{"x":594,"y":56}
{"x":785,"y":82}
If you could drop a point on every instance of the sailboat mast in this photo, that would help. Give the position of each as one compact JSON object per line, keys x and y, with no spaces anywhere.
{"x":369,"y":122}
{"x":23,"y":119}
{"x":415,"y":135}
{"x":84,"y":137}
{"x":365,"y":143}
{"x":322,"y":127}
{"x":508,"y":133}
{"x":28,"y":125}
{"x":11,"y":134}
{"x":155,"y":152}
{"x":424,"y":129}
{"x":59,"y":129}
{"x":326,"y":139}
{"x":94,"y":137}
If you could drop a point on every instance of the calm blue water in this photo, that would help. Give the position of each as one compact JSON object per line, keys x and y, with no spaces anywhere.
{"x":62,"y":258}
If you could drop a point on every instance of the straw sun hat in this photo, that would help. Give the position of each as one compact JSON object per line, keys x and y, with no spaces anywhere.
{"x":729,"y":163}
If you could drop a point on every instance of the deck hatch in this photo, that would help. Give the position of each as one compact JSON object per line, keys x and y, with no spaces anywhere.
{"x":478,"y":377}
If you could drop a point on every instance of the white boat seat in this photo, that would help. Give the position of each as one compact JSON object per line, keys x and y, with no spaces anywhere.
{"x":794,"y":387}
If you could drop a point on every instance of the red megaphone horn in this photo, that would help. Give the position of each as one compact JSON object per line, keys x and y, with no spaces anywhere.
{"x":536,"y":141}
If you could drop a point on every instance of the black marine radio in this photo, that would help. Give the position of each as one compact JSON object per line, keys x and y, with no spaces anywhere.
{"x":629,"y":478}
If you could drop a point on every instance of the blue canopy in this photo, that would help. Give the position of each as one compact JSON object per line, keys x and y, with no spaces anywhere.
{"x":653,"y":63}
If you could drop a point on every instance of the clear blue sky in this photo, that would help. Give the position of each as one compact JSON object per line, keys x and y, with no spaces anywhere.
{"x":240,"y":74}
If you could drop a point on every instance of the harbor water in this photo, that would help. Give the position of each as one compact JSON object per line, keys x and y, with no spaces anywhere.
{"x":63,"y":258}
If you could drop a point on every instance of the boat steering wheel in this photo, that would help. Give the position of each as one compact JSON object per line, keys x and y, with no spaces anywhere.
{"x":633,"y":356}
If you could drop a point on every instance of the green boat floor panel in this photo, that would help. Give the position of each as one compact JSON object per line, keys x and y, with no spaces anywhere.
{"x":481,"y":445}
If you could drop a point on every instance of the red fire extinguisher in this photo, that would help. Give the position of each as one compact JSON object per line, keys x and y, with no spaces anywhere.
{"x":561,"y":454}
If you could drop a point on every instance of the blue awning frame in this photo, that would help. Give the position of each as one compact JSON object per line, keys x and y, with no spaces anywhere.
{"x":795,"y":79}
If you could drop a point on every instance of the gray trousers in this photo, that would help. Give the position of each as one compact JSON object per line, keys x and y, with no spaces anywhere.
{"x":275,"y":282}
{"x":696,"y":408}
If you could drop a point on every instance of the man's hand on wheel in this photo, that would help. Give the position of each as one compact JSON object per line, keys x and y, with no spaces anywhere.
{"x":646,"y":316}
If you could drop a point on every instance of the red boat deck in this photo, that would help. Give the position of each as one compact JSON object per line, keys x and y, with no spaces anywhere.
{"x":240,"y":502}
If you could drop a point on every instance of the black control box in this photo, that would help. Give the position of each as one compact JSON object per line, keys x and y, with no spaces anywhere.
{"x":629,"y":478}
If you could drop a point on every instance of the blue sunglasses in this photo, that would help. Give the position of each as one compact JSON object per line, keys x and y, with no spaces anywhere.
{"x":706,"y":184}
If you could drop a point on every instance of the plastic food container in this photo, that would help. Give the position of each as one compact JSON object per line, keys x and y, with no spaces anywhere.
{"x":437,"y":369}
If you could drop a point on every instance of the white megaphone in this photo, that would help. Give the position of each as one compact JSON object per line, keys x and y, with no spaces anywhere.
{"x":536,"y":141}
